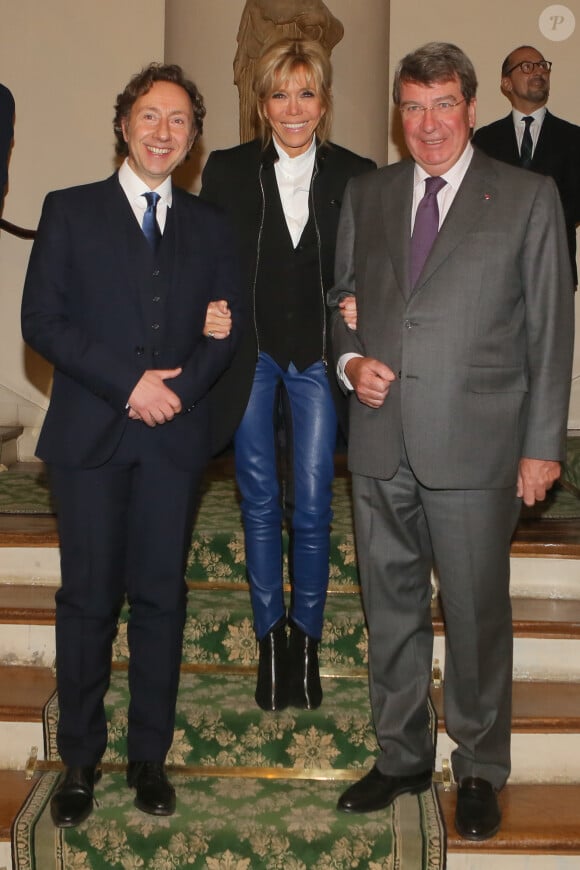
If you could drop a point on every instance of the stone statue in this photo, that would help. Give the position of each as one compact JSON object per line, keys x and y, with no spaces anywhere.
{"x":267,"y":21}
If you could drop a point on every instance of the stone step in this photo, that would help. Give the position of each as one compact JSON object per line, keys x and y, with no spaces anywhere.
{"x":9,"y":436}
{"x":540,"y":829}
{"x":531,"y":576}
{"x":547,"y":632}
{"x":546,"y":721}
{"x":541,"y":822}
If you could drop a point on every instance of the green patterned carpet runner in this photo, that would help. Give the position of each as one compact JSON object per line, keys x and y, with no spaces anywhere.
{"x":254,"y":789}
{"x":232,"y":824}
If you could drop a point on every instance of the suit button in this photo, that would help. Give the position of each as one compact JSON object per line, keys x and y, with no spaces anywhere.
{"x":156,"y":273}
{"x":155,"y":353}
{"x":139,"y":351}
{"x":154,"y":326}
{"x":156,"y":299}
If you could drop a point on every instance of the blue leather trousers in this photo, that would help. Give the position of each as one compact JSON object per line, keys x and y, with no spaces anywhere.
{"x":310,"y":426}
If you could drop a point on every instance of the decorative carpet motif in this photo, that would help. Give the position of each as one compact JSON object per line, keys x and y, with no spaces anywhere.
{"x":219,"y":630}
{"x":23,"y":492}
{"x":219,"y":724}
{"x":275,"y":808}
{"x":231,"y":824}
{"x":285,"y":818}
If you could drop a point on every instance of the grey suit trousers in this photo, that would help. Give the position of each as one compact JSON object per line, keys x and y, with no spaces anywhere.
{"x":402,"y":530}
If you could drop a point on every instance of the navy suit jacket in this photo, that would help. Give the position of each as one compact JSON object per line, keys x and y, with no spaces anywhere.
{"x":87,"y":309}
{"x":557,"y":154}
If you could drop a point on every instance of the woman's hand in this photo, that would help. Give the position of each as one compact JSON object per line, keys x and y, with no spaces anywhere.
{"x":347,"y":308}
{"x":218,"y":320}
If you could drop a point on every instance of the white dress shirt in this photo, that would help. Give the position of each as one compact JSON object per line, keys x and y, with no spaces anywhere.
{"x":445,"y":197}
{"x":293,"y":176}
{"x":134,"y":189}
{"x":519,"y":126}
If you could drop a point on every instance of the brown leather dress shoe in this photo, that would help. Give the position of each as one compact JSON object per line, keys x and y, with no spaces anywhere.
{"x":73,"y":799}
{"x":154,"y":793}
{"x":377,"y":790}
{"x":477,"y":815}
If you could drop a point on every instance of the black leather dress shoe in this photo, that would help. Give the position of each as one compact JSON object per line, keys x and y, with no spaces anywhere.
{"x":154,"y":792}
{"x":377,"y":790}
{"x":477,"y":815}
{"x":73,"y":799}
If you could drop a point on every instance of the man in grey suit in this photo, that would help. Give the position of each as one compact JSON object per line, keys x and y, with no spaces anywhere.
{"x":460,"y":380}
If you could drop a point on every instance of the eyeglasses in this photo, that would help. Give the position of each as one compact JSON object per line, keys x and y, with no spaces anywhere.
{"x":528,"y":66}
{"x":438,"y":109}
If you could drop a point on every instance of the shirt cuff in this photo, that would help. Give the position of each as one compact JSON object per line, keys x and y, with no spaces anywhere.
{"x":340,"y":366}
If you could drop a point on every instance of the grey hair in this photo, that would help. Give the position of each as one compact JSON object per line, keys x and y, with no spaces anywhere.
{"x":436,"y":62}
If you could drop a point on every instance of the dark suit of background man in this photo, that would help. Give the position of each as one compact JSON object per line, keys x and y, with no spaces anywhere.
{"x":126,"y":435}
{"x":555,"y":144}
{"x":6,"y":136}
{"x":461,"y":384}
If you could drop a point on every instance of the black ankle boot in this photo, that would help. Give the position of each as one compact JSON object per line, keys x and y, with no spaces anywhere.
{"x":304,"y":689}
{"x":271,"y":688}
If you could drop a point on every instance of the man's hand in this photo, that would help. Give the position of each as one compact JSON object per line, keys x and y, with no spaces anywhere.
{"x":218,"y":320}
{"x":151,"y":400}
{"x":370,"y":378}
{"x":535,"y":478}
{"x":347,"y":308}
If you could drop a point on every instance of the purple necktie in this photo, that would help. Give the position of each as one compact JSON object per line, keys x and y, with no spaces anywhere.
{"x":426,"y":226}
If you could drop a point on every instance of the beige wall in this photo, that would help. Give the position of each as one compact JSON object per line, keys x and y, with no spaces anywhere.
{"x":487,"y":31}
{"x":201,"y":36}
{"x":64,"y":61}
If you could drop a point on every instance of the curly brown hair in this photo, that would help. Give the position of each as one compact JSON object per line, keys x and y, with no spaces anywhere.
{"x":141,"y":83}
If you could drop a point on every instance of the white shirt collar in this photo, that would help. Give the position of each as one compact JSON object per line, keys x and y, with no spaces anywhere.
{"x":538,"y":115}
{"x":296,"y":166}
{"x":453,"y":176}
{"x":134,"y":188}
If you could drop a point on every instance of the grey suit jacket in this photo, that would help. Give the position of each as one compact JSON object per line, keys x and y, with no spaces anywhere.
{"x":482,"y":346}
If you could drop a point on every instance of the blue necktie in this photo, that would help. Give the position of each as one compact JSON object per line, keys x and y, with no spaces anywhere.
{"x":150,"y":227}
{"x":527,"y":147}
{"x":426,"y":226}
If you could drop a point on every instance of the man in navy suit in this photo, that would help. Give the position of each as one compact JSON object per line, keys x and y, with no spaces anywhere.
{"x":554,"y":144}
{"x":121,"y":278}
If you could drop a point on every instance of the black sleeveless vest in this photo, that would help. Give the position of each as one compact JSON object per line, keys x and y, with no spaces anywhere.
{"x":288,"y":293}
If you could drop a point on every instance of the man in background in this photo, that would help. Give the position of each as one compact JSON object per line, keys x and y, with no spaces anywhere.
{"x":530,"y":136}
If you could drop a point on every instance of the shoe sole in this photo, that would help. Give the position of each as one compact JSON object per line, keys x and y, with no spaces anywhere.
{"x":71,"y":824}
{"x":417,"y":789}
{"x":153,"y":811}
{"x":478,"y":838}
